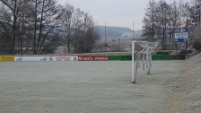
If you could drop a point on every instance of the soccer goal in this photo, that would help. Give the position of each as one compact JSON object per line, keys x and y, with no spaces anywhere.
{"x":141,"y":56}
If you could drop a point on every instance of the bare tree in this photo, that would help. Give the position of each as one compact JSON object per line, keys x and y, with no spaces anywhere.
{"x":192,"y":21}
{"x":150,"y":26}
{"x":10,"y":15}
{"x":174,"y":22}
{"x":161,"y":21}
{"x":90,"y":34}
{"x":85,"y":35}
{"x":197,"y":38}
{"x":195,"y":12}
{"x":68,"y":24}
{"x":39,"y":27}
{"x":46,"y":16}
{"x":163,"y":17}
{"x":156,"y":21}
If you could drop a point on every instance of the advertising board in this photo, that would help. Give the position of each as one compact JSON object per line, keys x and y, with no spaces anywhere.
{"x":181,"y":37}
{"x":93,"y":58}
{"x":45,"y":58}
{"x":65,"y":58}
{"x":6,"y":58}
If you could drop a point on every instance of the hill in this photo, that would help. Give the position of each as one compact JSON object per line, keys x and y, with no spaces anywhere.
{"x":117,"y":32}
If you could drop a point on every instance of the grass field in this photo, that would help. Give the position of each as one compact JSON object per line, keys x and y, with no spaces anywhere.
{"x":85,"y":87}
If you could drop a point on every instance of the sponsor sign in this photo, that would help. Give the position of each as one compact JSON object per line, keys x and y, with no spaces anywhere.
{"x":33,"y":59}
{"x":65,"y":58}
{"x":7,"y":58}
{"x":93,"y":58}
{"x":181,"y":37}
{"x":47,"y":58}
{"x":181,"y":40}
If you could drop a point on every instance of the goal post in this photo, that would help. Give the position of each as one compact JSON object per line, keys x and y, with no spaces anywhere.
{"x":133,"y":62}
{"x":142,"y":57}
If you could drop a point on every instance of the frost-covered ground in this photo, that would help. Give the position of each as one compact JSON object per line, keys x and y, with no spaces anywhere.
{"x":96,"y":87}
{"x":189,"y":86}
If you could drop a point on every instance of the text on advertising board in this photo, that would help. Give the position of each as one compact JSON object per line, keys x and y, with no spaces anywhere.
{"x":93,"y":58}
{"x":63,"y":58}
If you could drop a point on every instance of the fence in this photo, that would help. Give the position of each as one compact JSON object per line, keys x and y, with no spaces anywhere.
{"x":22,"y":49}
{"x":110,"y":45}
{"x":115,"y":45}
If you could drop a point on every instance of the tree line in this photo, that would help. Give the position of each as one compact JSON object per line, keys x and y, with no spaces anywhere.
{"x":162,"y":20}
{"x":41,"y":26}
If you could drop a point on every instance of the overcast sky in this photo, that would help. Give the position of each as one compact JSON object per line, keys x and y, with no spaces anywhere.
{"x":118,"y":13}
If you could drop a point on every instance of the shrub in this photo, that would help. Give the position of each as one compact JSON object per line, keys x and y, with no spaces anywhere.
{"x":197,"y":45}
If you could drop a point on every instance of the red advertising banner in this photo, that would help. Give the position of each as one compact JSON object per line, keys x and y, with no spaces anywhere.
{"x":93,"y":58}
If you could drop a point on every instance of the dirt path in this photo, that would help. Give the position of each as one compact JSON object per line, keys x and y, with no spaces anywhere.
{"x":184,"y":96}
{"x":177,"y":93}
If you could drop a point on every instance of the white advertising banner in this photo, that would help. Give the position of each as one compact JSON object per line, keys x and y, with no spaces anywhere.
{"x":45,"y":58}
{"x":65,"y":58}
{"x":181,"y":35}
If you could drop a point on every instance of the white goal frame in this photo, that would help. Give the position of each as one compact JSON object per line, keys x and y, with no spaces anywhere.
{"x":145,"y":55}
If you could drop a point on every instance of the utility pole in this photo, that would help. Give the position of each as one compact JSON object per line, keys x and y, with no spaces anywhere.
{"x":133,"y":31}
{"x":105,"y":36}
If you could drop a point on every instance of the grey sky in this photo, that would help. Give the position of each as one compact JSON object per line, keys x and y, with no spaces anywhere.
{"x":118,"y":13}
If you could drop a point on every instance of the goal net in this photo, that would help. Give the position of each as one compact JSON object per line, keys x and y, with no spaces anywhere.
{"x":141,"y":56}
